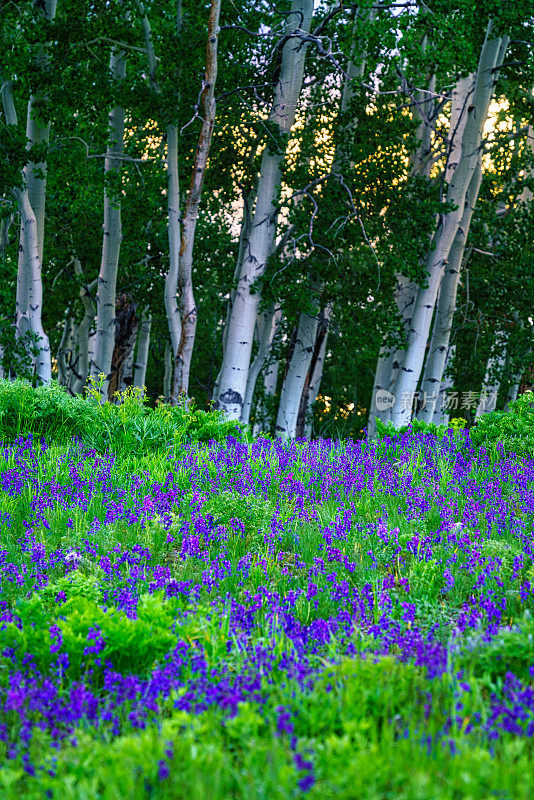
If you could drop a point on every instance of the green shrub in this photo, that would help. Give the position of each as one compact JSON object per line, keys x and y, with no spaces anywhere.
{"x":511,"y":651}
{"x":388,"y":430}
{"x":129,"y":426}
{"x":88,"y":634}
{"x":513,"y":429}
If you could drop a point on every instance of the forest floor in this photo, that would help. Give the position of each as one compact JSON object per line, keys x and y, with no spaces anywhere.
{"x":267,"y":620}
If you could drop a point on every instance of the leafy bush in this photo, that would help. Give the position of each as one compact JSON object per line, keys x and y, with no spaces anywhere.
{"x":511,"y":651}
{"x":513,"y":429}
{"x":75,"y":584}
{"x":388,"y":430}
{"x":89,"y":635}
{"x":128,"y":426}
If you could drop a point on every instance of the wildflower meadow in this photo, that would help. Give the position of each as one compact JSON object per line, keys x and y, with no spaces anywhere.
{"x":235,"y":618}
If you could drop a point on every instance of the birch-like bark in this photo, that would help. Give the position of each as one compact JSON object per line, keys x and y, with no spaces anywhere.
{"x":107,"y":277}
{"x":441,"y":413}
{"x":315,"y":385}
{"x":34,"y":175}
{"x":249,"y":198}
{"x":441,"y":333}
{"x":267,"y":325}
{"x":294,"y":381}
{"x":84,"y":328}
{"x":236,"y":361}
{"x":31,"y":203}
{"x":187,"y":305}
{"x":62,"y":361}
{"x":167,"y":372}
{"x":29,"y":315}
{"x":264,"y":415}
{"x":173,"y":214}
{"x":526,"y":196}
{"x":314,"y":378}
{"x":389,"y":360}
{"x":493,"y":375}
{"x":490,"y":60}
{"x":143,"y":345}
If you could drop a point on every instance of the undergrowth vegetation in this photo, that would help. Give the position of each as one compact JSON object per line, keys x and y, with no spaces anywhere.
{"x":128,"y":426}
{"x":237,"y":619}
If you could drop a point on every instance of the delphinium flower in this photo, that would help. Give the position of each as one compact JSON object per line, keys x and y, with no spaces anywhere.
{"x":340,"y":601}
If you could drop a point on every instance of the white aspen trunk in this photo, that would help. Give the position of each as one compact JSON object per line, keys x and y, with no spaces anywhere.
{"x":143,"y":345}
{"x":236,"y":361}
{"x":490,"y":60}
{"x":107,"y":277}
{"x":291,"y":394}
{"x":173,"y":212}
{"x":420,"y":159}
{"x":187,"y":305}
{"x":167,"y":372}
{"x":493,"y":375}
{"x":264,"y":416}
{"x":72,"y":344}
{"x":387,"y":367}
{"x":526,"y":196}
{"x":248,"y":202}
{"x":316,"y":378}
{"x":29,"y":316}
{"x":441,"y":414}
{"x":405,"y":300}
{"x":267,"y":324}
{"x":29,"y":273}
{"x":62,"y":350}
{"x":461,"y":98}
{"x":31,"y":201}
{"x":389,"y":360}
{"x":83,"y":348}
{"x":441,"y":333}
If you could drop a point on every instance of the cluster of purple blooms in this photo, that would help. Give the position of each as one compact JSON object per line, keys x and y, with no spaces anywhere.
{"x":323,"y":570}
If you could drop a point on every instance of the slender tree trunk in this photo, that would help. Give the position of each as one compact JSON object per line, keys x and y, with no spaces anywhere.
{"x":126,"y":325}
{"x":267,"y":323}
{"x":29,"y":313}
{"x":167,"y":372}
{"x":493,"y":375}
{"x":389,"y":360}
{"x":188,"y":309}
{"x":441,"y":333}
{"x":490,"y":60}
{"x":314,"y":377}
{"x":236,"y":361}
{"x":249,"y":198}
{"x":441,"y":414}
{"x":143,"y":344}
{"x":264,"y":416}
{"x":84,"y":328}
{"x":127,"y":371}
{"x":62,"y":359}
{"x":295,"y":379}
{"x":107,"y":277}
{"x":173,"y":212}
{"x":31,"y":203}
